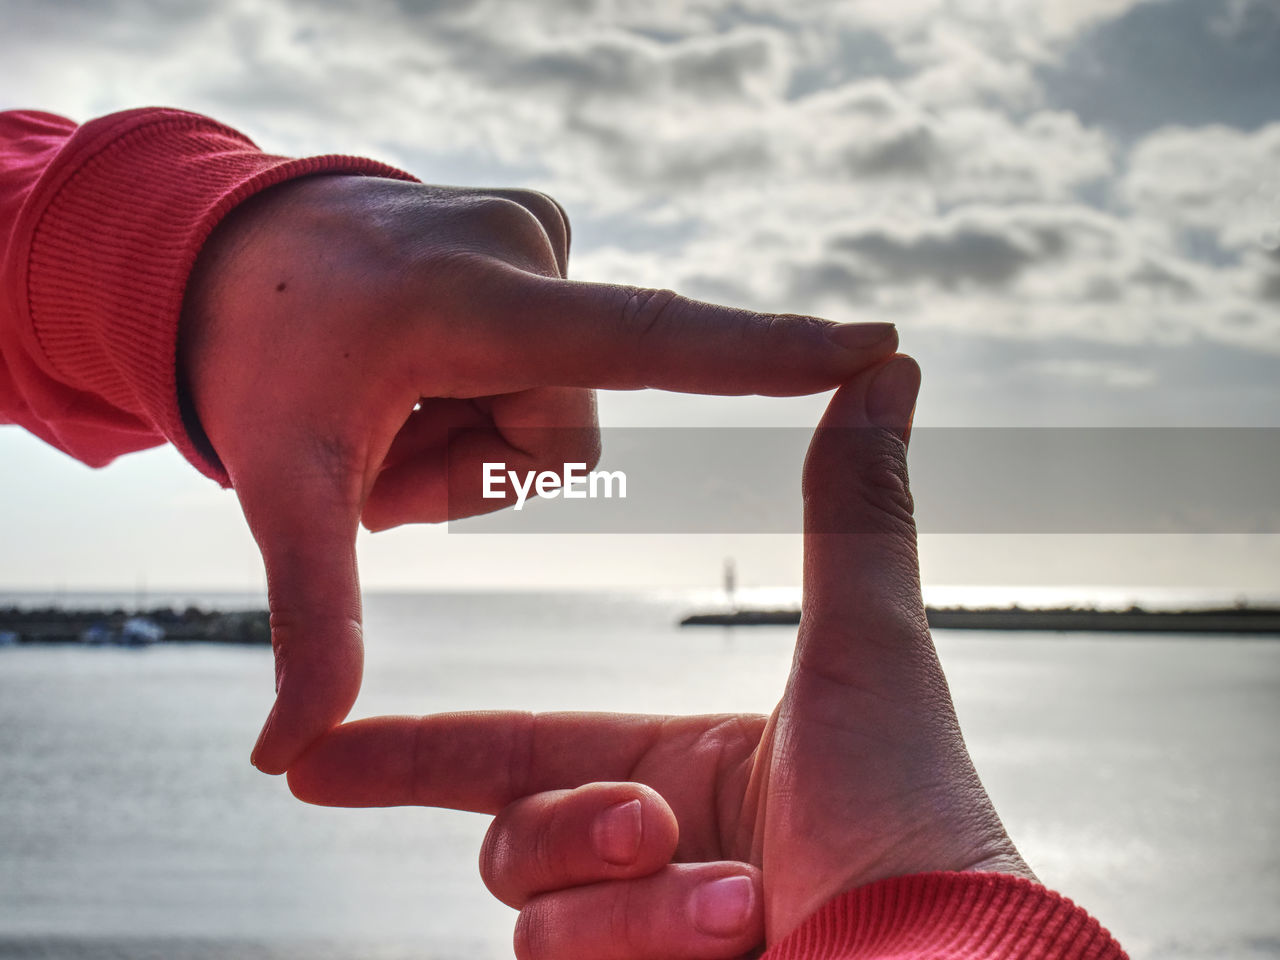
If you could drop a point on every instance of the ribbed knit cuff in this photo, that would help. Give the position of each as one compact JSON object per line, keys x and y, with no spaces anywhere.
{"x":134,"y":198}
{"x":950,"y":916}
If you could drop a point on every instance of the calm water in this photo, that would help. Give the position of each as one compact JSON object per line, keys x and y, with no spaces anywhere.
{"x":1139,"y":776}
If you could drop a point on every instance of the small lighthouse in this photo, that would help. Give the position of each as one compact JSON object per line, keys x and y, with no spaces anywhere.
{"x":730,"y":583}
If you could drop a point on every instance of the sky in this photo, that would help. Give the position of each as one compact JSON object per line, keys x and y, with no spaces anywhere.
{"x":1071,"y":209}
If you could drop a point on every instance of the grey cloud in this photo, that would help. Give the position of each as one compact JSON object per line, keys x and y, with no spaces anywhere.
{"x":716,"y":289}
{"x":1217,"y":189}
{"x":722,"y":68}
{"x":1163,"y":279}
{"x":1068,"y":380}
{"x":691,"y":167}
{"x":130,"y":27}
{"x":987,"y":249}
{"x":966,"y":255}
{"x":434,"y":8}
{"x":913,"y":151}
{"x":1189,"y":62}
{"x":879,"y":131}
{"x":963,"y":155}
{"x":624,"y":65}
{"x":826,"y":280}
{"x":605,"y":67}
{"x":874,"y":98}
{"x":1103,"y":288}
{"x":1269,"y":283}
{"x":629,"y":233}
{"x":648,"y":164}
{"x":1035,"y":272}
{"x":855,"y":54}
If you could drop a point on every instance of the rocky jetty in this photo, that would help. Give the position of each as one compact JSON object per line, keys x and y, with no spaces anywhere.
{"x":192,"y":625}
{"x":1241,"y":619}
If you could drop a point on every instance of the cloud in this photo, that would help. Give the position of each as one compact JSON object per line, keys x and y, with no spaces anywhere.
{"x":1019,"y":170}
{"x":979,"y":247}
{"x":621,"y":65}
{"x":954,"y":252}
{"x":1212,"y":180}
{"x":1182,"y":62}
{"x":959,"y":65}
{"x":1269,"y":276}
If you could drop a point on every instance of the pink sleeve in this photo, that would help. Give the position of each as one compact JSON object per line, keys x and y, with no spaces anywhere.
{"x":99,"y":228}
{"x":949,"y":916}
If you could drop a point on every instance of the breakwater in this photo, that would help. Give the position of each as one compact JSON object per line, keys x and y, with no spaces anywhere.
{"x":161,"y":625}
{"x":1232,"y":620}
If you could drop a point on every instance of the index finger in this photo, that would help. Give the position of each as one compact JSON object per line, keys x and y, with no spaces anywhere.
{"x":544,"y":331}
{"x":480,"y":761}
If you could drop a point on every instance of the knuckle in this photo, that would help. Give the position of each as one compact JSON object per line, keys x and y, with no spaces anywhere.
{"x":513,"y":225}
{"x":520,"y":754}
{"x":626,"y":928}
{"x":548,"y":864}
{"x":546,"y":209}
{"x":884,"y":481}
{"x":874,"y":472}
{"x":787,"y":327}
{"x":338,"y":459}
{"x":646,"y":310}
{"x":786,"y":336}
{"x":509,"y":218}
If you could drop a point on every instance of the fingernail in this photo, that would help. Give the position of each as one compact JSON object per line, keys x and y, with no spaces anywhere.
{"x":255,"y":756}
{"x":859,"y":336}
{"x":891,"y":396}
{"x":256,"y":753}
{"x":723,"y":907}
{"x":616,"y":833}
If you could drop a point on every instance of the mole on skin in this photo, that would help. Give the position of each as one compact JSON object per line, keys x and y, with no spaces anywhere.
{"x":280,"y":287}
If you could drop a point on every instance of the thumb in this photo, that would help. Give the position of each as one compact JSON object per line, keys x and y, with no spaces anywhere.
{"x":306,"y":531}
{"x":870,"y":749}
{"x":861,"y":569}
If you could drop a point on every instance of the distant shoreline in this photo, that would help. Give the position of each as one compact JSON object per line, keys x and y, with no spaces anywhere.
{"x":54,"y":625}
{"x":1229,"y":620}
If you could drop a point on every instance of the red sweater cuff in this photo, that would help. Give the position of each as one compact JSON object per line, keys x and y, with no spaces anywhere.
{"x":949,"y":916}
{"x":117,"y":233}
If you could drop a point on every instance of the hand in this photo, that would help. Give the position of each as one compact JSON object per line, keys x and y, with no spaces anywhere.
{"x":355,"y":346}
{"x":860,"y":773}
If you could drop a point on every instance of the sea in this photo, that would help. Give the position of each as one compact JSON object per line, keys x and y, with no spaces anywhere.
{"x":1139,"y":775}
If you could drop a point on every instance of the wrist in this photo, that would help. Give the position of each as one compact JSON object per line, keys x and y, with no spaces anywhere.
{"x":962,"y":915}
